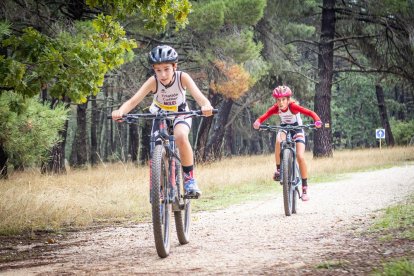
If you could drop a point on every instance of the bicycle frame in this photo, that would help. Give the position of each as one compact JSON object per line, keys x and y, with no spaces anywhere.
{"x":167,"y":139}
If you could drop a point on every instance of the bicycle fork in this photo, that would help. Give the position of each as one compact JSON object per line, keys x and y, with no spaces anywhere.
{"x":170,"y":149}
{"x":296,"y":180}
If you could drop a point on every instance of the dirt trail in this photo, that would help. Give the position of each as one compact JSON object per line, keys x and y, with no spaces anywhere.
{"x":252,"y":238}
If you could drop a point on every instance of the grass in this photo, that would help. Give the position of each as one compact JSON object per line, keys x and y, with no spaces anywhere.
{"x":114,"y":193}
{"x":333,"y":264}
{"x":396,"y":268}
{"x":398,"y":221}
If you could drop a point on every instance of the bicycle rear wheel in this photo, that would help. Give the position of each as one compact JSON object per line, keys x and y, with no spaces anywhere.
{"x":295,"y":196}
{"x":287,"y":178}
{"x":161,"y":205}
{"x":182,"y":215}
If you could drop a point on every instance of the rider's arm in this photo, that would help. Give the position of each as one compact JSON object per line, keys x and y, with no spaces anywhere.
{"x":188,"y":83}
{"x":146,"y":88}
{"x":271,"y":111}
{"x":295,"y":108}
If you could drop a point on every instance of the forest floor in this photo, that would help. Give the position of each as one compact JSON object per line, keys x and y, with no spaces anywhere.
{"x":330,"y":235}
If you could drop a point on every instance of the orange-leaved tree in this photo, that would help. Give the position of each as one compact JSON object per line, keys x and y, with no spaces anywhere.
{"x":233,"y":82}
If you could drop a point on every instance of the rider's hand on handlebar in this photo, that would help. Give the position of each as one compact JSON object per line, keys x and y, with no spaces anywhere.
{"x":318,"y":124}
{"x":207,"y":110}
{"x":116,"y":115}
{"x":256,"y":124}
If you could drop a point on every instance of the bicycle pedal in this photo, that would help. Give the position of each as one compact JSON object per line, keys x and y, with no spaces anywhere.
{"x":192,"y":196}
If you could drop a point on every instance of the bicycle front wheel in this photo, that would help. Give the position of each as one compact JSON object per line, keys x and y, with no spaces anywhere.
{"x":287,"y":178}
{"x":182,"y":214}
{"x":161,"y":205}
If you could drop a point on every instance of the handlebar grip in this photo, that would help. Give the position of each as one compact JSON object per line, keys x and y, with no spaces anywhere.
{"x":199,"y":112}
{"x":109,"y":117}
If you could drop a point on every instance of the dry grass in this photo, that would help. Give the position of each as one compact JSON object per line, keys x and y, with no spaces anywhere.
{"x":31,"y":201}
{"x":118,"y":192}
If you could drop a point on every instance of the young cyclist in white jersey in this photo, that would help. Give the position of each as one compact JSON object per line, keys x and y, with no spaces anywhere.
{"x":169,"y":88}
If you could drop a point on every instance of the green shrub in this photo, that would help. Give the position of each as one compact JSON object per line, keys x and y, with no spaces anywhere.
{"x":403,"y":132}
{"x":28,"y":128}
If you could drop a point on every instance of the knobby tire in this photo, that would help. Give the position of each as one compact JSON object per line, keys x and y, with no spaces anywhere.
{"x":288,"y":190}
{"x":161,"y":207}
{"x":182,"y":216}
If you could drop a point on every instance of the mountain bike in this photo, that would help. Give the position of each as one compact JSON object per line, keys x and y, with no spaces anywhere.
{"x":167,"y":192}
{"x":290,"y":176}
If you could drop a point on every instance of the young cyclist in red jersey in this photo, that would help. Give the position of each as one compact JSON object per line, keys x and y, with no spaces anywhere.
{"x":289,"y":113}
{"x":168,"y":87}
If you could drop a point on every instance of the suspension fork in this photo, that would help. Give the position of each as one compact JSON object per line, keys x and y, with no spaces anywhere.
{"x":172,"y":160}
{"x":159,"y":136}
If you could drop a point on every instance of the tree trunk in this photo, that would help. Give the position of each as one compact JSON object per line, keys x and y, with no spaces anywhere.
{"x":81,"y":137}
{"x":56,"y":163}
{"x":231,"y":147}
{"x":323,"y":136}
{"x":389,"y":138}
{"x":203,"y":132}
{"x":214,"y":148}
{"x":144,"y":142}
{"x":133,"y":142}
{"x":94,"y":136}
{"x":3,"y":163}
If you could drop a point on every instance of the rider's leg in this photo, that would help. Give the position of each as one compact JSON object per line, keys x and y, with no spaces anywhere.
{"x":280,"y":136}
{"x":181,"y":131}
{"x":300,"y":156}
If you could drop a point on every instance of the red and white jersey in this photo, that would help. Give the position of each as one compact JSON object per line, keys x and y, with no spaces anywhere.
{"x":290,"y":115}
{"x":287,"y":117}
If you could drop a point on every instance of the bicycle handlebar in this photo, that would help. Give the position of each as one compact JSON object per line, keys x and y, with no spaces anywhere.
{"x":161,"y":115}
{"x":288,"y":127}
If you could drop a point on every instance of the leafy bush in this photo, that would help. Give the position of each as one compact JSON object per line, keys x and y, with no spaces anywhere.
{"x":28,"y":128}
{"x":403,"y":131}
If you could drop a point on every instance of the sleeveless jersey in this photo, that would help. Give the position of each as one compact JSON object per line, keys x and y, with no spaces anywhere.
{"x":171,"y":98}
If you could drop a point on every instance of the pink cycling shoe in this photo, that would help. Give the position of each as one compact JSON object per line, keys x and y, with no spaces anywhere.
{"x":305,"y":196}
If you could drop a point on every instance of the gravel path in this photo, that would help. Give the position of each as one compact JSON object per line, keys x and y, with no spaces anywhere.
{"x":251,"y":238}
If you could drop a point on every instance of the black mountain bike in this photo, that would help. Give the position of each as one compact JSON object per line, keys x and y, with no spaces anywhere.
{"x":290,"y":176}
{"x":167,"y":193}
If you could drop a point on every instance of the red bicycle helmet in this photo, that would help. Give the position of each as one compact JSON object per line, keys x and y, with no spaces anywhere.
{"x":281,"y":91}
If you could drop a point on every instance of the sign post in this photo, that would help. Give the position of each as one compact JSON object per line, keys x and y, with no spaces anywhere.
{"x":380,"y":134}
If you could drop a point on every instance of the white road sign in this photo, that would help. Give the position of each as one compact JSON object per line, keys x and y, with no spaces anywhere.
{"x":380,"y":133}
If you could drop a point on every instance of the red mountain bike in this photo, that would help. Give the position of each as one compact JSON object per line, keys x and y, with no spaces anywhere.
{"x":167,"y":193}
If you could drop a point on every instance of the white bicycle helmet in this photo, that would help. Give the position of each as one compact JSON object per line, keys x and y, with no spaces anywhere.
{"x":163,"y":54}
